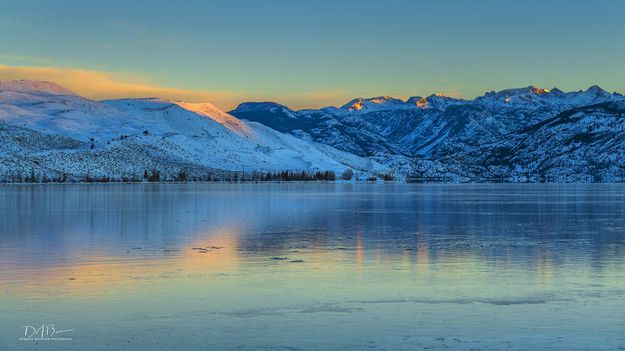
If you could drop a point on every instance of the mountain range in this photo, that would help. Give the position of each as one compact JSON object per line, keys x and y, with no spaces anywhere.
{"x":525,"y":134}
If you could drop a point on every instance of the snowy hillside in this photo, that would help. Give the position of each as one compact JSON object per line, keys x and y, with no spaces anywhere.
{"x":581,"y":144}
{"x":124,"y":138}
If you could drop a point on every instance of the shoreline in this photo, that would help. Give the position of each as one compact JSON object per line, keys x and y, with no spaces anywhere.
{"x":310,"y":182}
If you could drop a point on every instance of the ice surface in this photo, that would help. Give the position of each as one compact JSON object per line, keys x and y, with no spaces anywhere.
{"x":390,"y":267}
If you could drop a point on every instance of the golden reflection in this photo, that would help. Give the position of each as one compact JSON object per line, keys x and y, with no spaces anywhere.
{"x":423,"y":258}
{"x":359,"y":254}
{"x":102,"y":273}
{"x":543,"y":264}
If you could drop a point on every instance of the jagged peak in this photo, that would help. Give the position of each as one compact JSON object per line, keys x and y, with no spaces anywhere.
{"x":441,"y":101}
{"x":508,"y":96}
{"x":381,"y":99}
{"x":377,"y":102}
{"x":418,"y":101}
{"x":35,"y":87}
{"x":387,"y":102}
{"x":531,"y":89}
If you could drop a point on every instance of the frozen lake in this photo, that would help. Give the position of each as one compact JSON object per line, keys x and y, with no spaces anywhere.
{"x":312,"y":266}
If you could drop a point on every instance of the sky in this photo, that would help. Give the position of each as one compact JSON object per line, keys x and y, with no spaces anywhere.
{"x":311,"y":53}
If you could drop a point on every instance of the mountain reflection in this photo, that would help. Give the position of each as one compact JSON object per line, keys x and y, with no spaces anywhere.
{"x":88,"y":237}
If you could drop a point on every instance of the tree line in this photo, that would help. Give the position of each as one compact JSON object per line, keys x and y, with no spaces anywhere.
{"x":155,"y":175}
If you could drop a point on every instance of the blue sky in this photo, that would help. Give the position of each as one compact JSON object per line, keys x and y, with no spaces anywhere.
{"x":313,"y":53}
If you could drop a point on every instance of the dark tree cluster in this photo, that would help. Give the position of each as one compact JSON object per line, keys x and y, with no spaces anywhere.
{"x":34,"y":177}
{"x":387,"y":177}
{"x":154,"y":176}
{"x":288,"y":176}
{"x":182,"y":176}
{"x":347,"y":175}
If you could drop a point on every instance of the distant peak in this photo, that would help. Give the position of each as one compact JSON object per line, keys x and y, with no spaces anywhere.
{"x":34,"y":87}
{"x":440,"y":96}
{"x":374,"y":103}
{"x":532,"y":90}
{"x":259,"y":106}
{"x":263,"y":107}
{"x":595,"y":89}
{"x":382,"y":100}
{"x":506,"y":93}
{"x":418,"y":101}
{"x":379,"y":99}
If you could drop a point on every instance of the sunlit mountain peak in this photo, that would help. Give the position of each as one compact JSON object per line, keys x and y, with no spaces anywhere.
{"x":539,"y":91}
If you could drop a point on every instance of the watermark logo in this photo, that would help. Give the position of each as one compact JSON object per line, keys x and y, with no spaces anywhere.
{"x":45,"y":332}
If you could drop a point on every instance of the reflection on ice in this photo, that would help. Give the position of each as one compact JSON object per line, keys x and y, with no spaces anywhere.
{"x":315,"y":266}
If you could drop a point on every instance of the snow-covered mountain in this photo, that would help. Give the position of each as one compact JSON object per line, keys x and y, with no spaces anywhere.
{"x":51,"y":131}
{"x":379,"y":103}
{"x":518,"y":134}
{"x":441,"y":136}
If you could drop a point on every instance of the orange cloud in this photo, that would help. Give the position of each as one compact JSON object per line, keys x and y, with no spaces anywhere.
{"x":102,"y":85}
